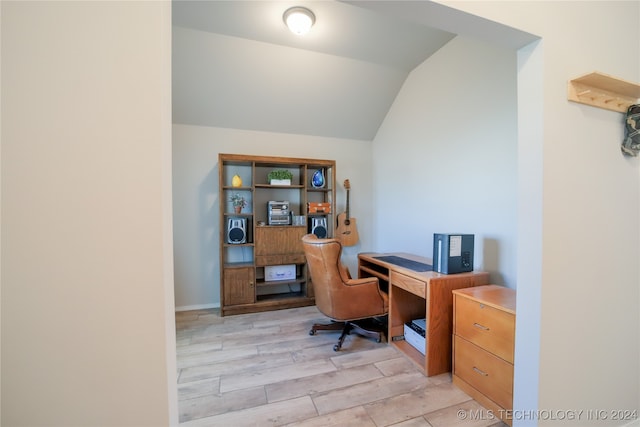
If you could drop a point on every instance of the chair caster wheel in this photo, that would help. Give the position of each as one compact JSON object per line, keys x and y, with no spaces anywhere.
{"x":378,"y":340}
{"x":312,"y":332}
{"x":336,"y":347}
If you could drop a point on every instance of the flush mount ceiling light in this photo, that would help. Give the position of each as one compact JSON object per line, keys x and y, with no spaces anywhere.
{"x":299,"y":19}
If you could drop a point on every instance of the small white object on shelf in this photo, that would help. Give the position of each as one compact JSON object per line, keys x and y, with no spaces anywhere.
{"x":280,"y":182}
{"x":415,"y":335}
{"x":279,"y":272}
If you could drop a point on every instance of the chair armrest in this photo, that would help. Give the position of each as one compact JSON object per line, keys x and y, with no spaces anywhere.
{"x":363,"y":281}
{"x":365,"y":298}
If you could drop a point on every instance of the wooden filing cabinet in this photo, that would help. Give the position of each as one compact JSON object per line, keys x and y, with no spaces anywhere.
{"x":484,"y":320}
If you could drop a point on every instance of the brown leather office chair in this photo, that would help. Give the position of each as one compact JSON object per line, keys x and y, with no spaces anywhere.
{"x":352,"y":304}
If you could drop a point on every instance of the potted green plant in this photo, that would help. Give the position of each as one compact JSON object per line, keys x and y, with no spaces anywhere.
{"x":238,"y":201}
{"x":280,"y":177}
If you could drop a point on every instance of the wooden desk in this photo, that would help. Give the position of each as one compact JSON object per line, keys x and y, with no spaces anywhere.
{"x":417,"y":295}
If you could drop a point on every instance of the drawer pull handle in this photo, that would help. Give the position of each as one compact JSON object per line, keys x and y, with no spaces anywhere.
{"x":481,"y":372}
{"x":479,"y":326}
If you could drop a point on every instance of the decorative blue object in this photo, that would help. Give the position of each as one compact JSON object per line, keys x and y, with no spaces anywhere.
{"x":317,"y":180}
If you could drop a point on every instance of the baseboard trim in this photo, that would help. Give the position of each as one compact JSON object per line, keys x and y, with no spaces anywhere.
{"x":197,"y":307}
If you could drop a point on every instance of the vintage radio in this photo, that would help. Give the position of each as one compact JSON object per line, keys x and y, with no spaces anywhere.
{"x":278,"y":212}
{"x":279,"y":272}
{"x":318,"y":208}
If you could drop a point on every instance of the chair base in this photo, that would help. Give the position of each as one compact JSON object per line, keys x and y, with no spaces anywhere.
{"x":370,"y":328}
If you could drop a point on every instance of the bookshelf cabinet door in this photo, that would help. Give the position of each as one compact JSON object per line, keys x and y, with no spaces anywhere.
{"x":239,"y":286}
{"x":279,"y":245}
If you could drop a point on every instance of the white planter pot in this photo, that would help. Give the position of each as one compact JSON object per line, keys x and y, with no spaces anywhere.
{"x":280,"y":182}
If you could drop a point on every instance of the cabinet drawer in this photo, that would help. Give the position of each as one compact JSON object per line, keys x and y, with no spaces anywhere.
{"x":416,"y":287}
{"x":485,"y":372}
{"x":262,"y":260}
{"x":279,"y":240}
{"x":485,"y":326}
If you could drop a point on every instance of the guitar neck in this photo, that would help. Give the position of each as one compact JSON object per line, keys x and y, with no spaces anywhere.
{"x":347,"y":204}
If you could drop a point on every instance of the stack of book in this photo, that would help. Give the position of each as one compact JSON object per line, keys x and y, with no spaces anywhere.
{"x":414,"y":334}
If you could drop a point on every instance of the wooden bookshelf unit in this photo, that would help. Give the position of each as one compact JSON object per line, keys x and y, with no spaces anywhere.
{"x":245,"y":285}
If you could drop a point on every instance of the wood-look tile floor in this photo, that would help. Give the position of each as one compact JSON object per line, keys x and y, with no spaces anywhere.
{"x":265,"y":369}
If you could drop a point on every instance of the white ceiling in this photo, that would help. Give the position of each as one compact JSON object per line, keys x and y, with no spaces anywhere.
{"x":236,"y":65}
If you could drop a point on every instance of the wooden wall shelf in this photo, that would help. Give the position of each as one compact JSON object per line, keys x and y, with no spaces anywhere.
{"x":604,"y":91}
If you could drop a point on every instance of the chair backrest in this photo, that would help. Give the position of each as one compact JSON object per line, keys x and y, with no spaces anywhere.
{"x":327,"y":274}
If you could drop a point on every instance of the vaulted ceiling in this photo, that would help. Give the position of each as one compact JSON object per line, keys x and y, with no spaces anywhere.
{"x":236,"y":65}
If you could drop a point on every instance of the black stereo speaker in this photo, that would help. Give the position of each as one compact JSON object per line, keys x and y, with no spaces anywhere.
{"x":237,"y":230}
{"x":452,"y":253}
{"x":319,"y":227}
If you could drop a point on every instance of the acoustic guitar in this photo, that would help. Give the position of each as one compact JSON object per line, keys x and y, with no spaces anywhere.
{"x":347,"y":232}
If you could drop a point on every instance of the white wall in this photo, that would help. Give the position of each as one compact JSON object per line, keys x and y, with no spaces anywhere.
{"x":445,"y":157}
{"x":86,"y":218}
{"x":588,"y":293}
{"x":196,"y":204}
{"x":0,"y":219}
{"x":530,"y":183}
